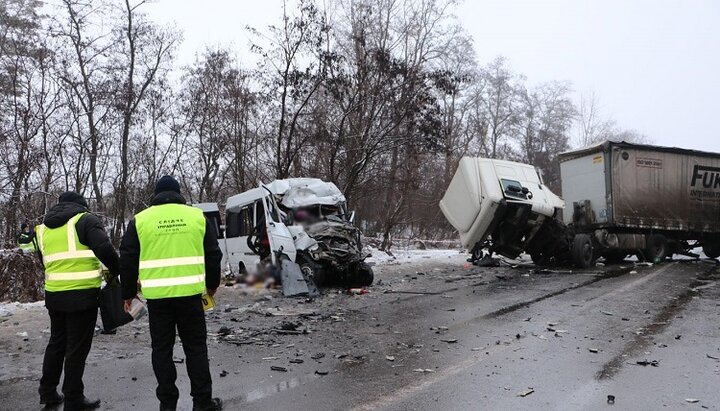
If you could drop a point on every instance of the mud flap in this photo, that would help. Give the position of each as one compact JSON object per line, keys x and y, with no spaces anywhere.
{"x":293,"y":282}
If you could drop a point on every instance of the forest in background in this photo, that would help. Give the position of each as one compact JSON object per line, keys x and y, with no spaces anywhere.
{"x":381,"y":97}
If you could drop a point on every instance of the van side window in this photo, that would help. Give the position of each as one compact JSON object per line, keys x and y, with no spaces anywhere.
{"x":246,"y":220}
{"x":239,"y":223}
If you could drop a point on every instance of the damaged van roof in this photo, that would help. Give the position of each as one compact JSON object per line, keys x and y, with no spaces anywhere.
{"x":304,"y":192}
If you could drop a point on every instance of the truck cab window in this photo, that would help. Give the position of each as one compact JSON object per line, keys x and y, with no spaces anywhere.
{"x":512,"y":188}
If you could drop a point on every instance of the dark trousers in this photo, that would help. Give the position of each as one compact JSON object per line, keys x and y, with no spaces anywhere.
{"x":71,"y":335}
{"x":185,"y":314}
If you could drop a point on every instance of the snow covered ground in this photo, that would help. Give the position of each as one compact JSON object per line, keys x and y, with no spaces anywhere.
{"x":410,"y":255}
{"x":8,"y":309}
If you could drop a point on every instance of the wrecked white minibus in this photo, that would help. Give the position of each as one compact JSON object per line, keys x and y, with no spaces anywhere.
{"x":622,"y":199}
{"x":302,"y":219}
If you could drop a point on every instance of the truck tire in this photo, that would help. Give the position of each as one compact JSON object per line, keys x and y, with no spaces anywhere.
{"x":582,"y":251}
{"x":656,"y":248}
{"x":712,"y":250}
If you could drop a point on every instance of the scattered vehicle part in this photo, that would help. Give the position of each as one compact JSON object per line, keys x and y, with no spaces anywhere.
{"x":610,"y":399}
{"x":292,"y":279}
{"x":525,"y":393}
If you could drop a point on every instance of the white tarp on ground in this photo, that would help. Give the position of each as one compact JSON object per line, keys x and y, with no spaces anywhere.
{"x":304,"y":192}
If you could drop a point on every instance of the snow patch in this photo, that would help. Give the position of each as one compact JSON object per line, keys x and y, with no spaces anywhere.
{"x":7,"y":309}
{"x":403,"y":256}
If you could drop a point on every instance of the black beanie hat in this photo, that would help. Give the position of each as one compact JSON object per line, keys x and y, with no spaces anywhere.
{"x":72,"y":197}
{"x":167,"y":183}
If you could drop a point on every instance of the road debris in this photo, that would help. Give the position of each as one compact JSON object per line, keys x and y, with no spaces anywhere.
{"x":645,"y":363}
{"x":525,"y":393}
{"x":278,"y":368}
{"x":449,"y":340}
{"x":692,"y":400}
{"x":318,"y":356}
{"x":390,"y":358}
{"x":296,"y":361}
{"x":322,"y":372}
{"x":712,"y":357}
{"x":606,"y":312}
{"x":423,"y":370}
{"x":610,"y":399}
{"x":223,"y":373}
{"x":593,"y":350}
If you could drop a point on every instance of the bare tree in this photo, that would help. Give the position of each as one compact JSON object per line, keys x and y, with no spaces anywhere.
{"x":146,"y":49}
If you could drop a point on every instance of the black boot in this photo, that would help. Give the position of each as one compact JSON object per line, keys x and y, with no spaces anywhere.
{"x":215,"y":405}
{"x":52,"y":399}
{"x":83,"y":404}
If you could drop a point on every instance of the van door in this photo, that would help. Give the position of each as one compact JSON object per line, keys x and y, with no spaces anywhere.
{"x":281,"y":241}
{"x":239,"y":224}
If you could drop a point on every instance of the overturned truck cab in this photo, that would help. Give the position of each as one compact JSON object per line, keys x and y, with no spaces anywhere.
{"x":504,"y":207}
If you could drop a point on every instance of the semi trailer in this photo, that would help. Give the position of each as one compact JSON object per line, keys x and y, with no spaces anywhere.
{"x":620,"y":199}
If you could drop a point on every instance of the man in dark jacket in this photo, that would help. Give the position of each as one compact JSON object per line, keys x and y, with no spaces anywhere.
{"x":171,"y":249}
{"x":26,"y":237}
{"x":72,"y":243}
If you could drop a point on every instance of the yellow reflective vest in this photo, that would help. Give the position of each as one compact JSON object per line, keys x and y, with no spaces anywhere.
{"x":69,"y":264}
{"x":172,"y":257}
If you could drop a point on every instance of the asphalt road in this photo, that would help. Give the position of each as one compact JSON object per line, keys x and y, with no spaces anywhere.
{"x":436,"y":336}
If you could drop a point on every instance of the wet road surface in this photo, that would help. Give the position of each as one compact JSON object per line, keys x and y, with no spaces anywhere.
{"x":431,"y":336}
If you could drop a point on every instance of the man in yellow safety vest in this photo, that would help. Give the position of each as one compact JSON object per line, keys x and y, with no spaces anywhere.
{"x":72,"y":243}
{"x":171,"y":249}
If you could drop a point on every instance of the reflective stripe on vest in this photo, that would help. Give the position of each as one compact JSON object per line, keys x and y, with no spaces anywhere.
{"x":27,"y":246}
{"x":172,"y":260}
{"x":69,"y":264}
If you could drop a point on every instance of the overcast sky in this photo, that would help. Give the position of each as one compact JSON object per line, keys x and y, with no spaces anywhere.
{"x":653,"y":64}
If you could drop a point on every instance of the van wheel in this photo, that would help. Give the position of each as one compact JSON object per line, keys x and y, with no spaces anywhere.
{"x":656,"y":248}
{"x":313,"y":271}
{"x":364,"y":275}
{"x":582,"y":251}
{"x":712,"y":250}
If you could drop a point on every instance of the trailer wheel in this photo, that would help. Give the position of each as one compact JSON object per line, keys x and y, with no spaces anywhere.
{"x":656,"y":248}
{"x":712,"y":250}
{"x":582,"y":251}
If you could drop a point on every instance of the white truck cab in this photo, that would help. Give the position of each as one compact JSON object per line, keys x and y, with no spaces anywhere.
{"x":497,"y":204}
